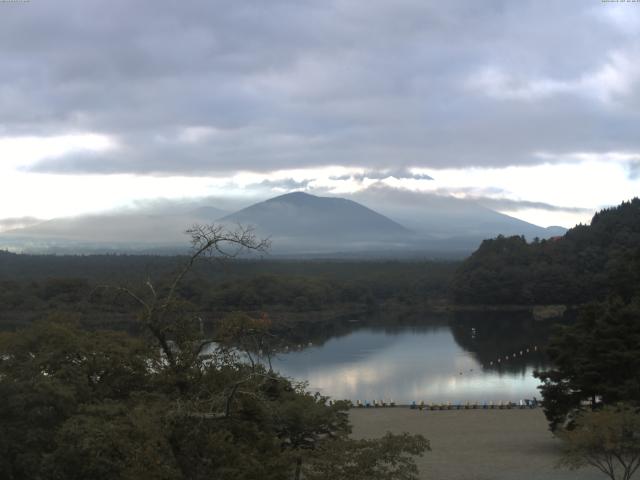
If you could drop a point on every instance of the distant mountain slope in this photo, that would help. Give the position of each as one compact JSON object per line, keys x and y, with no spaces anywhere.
{"x":7,"y":224}
{"x":301,"y":214}
{"x":441,"y":216}
{"x":119,"y":228}
{"x":587,"y":264}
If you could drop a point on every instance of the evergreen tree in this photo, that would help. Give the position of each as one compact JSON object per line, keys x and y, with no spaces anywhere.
{"x":596,"y":360}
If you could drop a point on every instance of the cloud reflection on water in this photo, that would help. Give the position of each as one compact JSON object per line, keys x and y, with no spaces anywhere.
{"x":410,"y":365}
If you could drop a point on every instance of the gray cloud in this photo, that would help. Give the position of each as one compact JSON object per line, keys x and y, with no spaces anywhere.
{"x":181,"y":206}
{"x":516,"y":205}
{"x":285,"y":184}
{"x":634,"y":170}
{"x":398,"y":173}
{"x":208,"y":87}
{"x":19,"y":222}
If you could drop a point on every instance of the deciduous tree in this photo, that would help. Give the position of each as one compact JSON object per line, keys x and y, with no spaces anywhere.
{"x":607,"y":439}
{"x":173,"y":404}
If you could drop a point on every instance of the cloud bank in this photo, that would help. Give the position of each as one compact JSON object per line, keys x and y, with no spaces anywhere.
{"x":113,"y":102}
{"x":210,"y":87}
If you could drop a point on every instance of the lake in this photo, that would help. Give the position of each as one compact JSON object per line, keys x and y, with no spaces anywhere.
{"x":475,"y":358}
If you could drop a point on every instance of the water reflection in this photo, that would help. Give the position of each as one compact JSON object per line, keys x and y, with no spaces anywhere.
{"x":436,"y":363}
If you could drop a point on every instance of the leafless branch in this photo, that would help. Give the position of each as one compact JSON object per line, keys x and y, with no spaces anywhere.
{"x":206,"y":240}
{"x":126,"y":291}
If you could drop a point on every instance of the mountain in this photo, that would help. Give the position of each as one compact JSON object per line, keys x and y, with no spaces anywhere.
{"x":300,"y":222}
{"x":114,"y":231}
{"x":302,"y":214}
{"x":394,"y":223}
{"x":442,"y":217}
{"x":7,"y":224}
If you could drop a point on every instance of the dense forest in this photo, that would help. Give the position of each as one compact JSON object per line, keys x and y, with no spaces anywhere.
{"x":589,"y":263}
{"x":33,"y":286}
{"x":173,"y":402}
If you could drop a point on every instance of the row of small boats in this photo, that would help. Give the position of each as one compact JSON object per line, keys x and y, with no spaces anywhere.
{"x":521,"y":404}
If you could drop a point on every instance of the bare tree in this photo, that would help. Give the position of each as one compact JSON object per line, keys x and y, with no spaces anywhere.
{"x":160,"y":307}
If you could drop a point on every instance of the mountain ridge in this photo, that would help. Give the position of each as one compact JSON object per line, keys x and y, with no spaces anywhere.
{"x":298,"y":223}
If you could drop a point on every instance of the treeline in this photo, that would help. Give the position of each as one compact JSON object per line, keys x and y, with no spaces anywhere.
{"x":589,"y":263}
{"x":78,"y":284}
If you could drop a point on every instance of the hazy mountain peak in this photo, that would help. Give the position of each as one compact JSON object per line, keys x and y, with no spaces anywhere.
{"x":301,"y":220}
{"x":304,"y":199}
{"x":292,"y":196}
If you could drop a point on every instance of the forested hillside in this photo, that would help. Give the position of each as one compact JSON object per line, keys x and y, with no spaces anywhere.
{"x":589,"y":263}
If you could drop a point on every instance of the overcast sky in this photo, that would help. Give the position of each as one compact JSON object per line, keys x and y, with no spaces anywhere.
{"x":531,"y":106}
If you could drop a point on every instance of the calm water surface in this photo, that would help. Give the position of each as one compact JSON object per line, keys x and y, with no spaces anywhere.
{"x":455,"y":363}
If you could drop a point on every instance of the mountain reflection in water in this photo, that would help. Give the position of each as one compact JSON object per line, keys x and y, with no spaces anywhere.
{"x":438,"y":363}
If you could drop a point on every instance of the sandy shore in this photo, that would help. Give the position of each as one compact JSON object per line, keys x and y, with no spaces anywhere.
{"x":475,"y":444}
